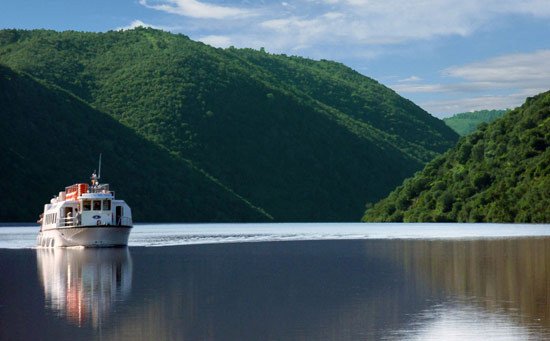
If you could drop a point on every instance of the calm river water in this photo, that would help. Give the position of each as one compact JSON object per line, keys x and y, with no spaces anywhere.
{"x":282,"y":282}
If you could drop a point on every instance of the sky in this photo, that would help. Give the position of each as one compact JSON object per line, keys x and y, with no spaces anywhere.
{"x":448,"y":56}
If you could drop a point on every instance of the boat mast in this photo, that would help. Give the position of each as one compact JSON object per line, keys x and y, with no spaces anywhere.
{"x":95,"y":177}
{"x":99,"y":173}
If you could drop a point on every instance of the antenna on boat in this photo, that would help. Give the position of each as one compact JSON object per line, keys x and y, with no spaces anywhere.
{"x":99,"y":173}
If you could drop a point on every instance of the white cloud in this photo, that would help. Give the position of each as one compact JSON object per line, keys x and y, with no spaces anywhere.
{"x":297,"y":31}
{"x":365,"y":29}
{"x":138,"y":23}
{"x":537,"y":8}
{"x":216,"y":40}
{"x":196,"y":9}
{"x":377,"y":22}
{"x":134,"y":24}
{"x":412,"y":78}
{"x":362,"y":23}
{"x":513,"y":77}
{"x":522,"y":69}
{"x":445,"y":108}
{"x":463,"y":87}
{"x":293,"y":23}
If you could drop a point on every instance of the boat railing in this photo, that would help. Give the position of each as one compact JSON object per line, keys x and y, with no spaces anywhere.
{"x":73,"y":222}
{"x":100,"y":188}
{"x":68,"y":222}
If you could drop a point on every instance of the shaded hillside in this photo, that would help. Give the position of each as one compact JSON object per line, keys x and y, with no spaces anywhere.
{"x":306,"y":140}
{"x":500,"y":173}
{"x":400,"y":121}
{"x":466,"y":122}
{"x":50,"y":140}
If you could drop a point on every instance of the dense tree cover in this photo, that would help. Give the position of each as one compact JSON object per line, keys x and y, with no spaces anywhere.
{"x":305,"y":140}
{"x":499,"y":173}
{"x":400,"y":121}
{"x":51,"y":139}
{"x":466,"y":122}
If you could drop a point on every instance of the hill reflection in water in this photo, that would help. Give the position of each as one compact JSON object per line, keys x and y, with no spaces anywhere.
{"x":296,"y":290}
{"x":82,"y":285}
{"x":343,"y":290}
{"x":501,"y":285}
{"x":512,"y":272}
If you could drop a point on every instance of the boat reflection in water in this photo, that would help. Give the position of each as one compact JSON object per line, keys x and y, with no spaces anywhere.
{"x":303,"y":290}
{"x":83,"y":285}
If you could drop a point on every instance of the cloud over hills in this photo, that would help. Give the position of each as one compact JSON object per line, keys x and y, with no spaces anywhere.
{"x":362,"y":33}
{"x":196,"y":9}
{"x":355,"y":21}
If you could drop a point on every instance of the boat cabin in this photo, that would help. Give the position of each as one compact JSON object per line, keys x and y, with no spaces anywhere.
{"x":84,"y":205}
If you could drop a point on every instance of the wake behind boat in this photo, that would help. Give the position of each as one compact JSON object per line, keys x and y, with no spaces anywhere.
{"x":85,"y":215}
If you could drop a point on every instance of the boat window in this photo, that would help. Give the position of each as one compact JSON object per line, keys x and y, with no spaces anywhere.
{"x":86,"y":205}
{"x":106,"y":205}
{"x":97,"y":205}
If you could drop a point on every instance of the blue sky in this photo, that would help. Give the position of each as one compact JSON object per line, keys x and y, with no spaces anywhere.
{"x":448,"y":56}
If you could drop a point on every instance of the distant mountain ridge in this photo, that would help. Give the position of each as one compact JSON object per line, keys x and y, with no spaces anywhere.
{"x":499,"y":173}
{"x":467,"y":122}
{"x":303,"y":140}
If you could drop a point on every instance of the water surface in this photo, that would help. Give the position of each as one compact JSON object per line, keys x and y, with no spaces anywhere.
{"x":294,"y":282}
{"x":24,"y":235}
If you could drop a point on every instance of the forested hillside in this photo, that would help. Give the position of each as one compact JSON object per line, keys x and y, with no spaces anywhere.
{"x":50,"y":140}
{"x":499,"y":173}
{"x":304,"y":140}
{"x":466,"y":122}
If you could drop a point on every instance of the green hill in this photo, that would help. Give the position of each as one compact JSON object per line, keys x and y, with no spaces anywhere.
{"x":499,"y":173}
{"x":51,"y":139}
{"x":467,"y":122}
{"x":305,"y":140}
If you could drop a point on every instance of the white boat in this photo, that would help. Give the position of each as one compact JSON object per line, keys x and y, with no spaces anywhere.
{"x":85,"y":215}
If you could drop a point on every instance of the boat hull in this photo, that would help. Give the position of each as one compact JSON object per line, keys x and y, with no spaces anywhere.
{"x":86,"y":236}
